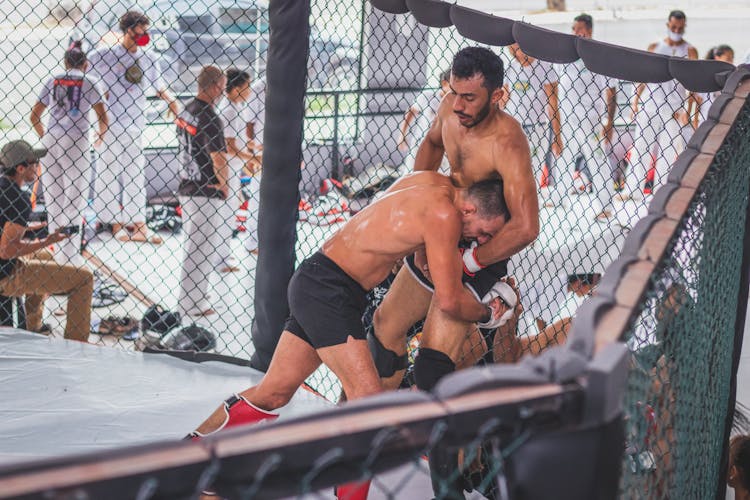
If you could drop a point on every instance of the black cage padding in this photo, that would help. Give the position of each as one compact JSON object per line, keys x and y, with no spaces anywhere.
{"x":577,"y":465}
{"x":545,"y":44}
{"x":432,"y":13}
{"x":699,"y":75}
{"x":481,"y":27}
{"x":622,"y":62}
{"x":282,"y":156}
{"x":391,"y":6}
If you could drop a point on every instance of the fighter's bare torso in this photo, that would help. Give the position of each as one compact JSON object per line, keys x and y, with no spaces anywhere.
{"x":475,"y":154}
{"x":368,"y":245}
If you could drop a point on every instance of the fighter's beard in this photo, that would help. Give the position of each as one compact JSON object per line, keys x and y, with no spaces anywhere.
{"x":481,"y":115}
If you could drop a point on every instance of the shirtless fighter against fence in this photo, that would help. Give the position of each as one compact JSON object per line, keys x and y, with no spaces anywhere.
{"x":481,"y":142}
{"x":422,"y":211}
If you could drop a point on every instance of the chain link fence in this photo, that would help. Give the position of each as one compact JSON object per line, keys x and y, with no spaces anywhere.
{"x":134,"y":168}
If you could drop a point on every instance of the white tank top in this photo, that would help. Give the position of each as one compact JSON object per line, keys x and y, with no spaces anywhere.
{"x":665,"y":98}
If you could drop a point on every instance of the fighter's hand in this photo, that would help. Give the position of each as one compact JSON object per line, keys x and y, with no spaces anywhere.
{"x":420,"y":262}
{"x":469,"y":256}
{"x":502,"y":300}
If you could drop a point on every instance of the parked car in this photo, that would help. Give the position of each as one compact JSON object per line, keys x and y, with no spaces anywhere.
{"x":189,"y":34}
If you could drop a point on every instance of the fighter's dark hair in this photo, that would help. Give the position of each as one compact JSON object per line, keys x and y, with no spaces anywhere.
{"x":133,"y":18}
{"x":75,"y":57}
{"x":739,"y":451}
{"x":445,"y":76}
{"x":470,"y":61}
{"x":677,"y":14}
{"x":489,"y":198}
{"x":236,"y":78}
{"x":585,"y":19}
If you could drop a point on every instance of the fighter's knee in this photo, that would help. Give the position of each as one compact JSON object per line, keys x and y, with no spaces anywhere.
{"x":273,"y":399}
{"x":387,"y":362}
{"x":430,"y":366}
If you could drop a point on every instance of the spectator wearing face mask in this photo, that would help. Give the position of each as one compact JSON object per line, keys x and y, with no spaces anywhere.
{"x":660,"y":111}
{"x":128,"y":71}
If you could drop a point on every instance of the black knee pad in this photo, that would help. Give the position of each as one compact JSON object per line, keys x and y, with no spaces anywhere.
{"x":430,"y":366}
{"x":387,"y":362}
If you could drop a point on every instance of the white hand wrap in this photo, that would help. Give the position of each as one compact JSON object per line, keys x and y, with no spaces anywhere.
{"x":471,"y":264}
{"x":508,"y":296}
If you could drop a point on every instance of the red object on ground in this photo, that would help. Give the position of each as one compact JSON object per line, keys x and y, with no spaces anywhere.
{"x":353,"y":491}
{"x":544,"y":180}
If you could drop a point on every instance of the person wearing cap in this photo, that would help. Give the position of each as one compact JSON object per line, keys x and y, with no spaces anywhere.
{"x":23,"y":272}
{"x":69,"y":95}
{"x":127,"y":72}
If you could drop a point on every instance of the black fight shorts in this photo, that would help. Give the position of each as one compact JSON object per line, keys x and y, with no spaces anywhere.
{"x":325,"y":303}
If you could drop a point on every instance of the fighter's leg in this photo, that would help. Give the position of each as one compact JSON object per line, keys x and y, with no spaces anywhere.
{"x":406,"y":302}
{"x":440,"y":348}
{"x":293,"y":361}
{"x":353,"y":365}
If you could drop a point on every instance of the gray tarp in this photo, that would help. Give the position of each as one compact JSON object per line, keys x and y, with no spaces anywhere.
{"x":59,"y":397}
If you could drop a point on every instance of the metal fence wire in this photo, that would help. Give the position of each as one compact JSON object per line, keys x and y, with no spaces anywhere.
{"x":132,"y":100}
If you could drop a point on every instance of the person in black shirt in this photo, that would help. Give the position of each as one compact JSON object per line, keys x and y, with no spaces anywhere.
{"x":203,"y":188}
{"x":24,"y":271}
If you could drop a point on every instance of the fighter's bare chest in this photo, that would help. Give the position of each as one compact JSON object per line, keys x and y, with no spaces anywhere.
{"x":470,"y":160}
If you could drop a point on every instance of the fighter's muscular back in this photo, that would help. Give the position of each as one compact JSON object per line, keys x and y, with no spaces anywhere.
{"x":482,"y":142}
{"x":417,"y":211}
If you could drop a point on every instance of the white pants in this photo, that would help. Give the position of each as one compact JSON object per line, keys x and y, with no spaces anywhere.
{"x":228,"y":219}
{"x":253,"y":207}
{"x":121,"y":161}
{"x":66,"y":177}
{"x":580,"y":137}
{"x":201,"y":218}
{"x":539,"y":139}
{"x":656,"y":134}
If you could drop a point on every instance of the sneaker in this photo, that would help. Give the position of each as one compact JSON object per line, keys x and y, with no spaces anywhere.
{"x":117,"y":326}
{"x":328,"y":209}
{"x":304,"y":208}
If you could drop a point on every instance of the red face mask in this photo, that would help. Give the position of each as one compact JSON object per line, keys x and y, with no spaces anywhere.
{"x":142,"y":40}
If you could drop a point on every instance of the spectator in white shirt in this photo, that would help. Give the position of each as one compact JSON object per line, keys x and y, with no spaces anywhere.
{"x":127,"y":71}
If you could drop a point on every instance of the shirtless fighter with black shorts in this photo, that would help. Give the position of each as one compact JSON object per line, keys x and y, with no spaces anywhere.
{"x":423,"y":211}
{"x":481,"y":142}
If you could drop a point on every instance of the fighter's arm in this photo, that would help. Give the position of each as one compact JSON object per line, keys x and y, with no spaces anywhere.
{"x":431,"y":151}
{"x":442,"y":230}
{"x":513,"y":164}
